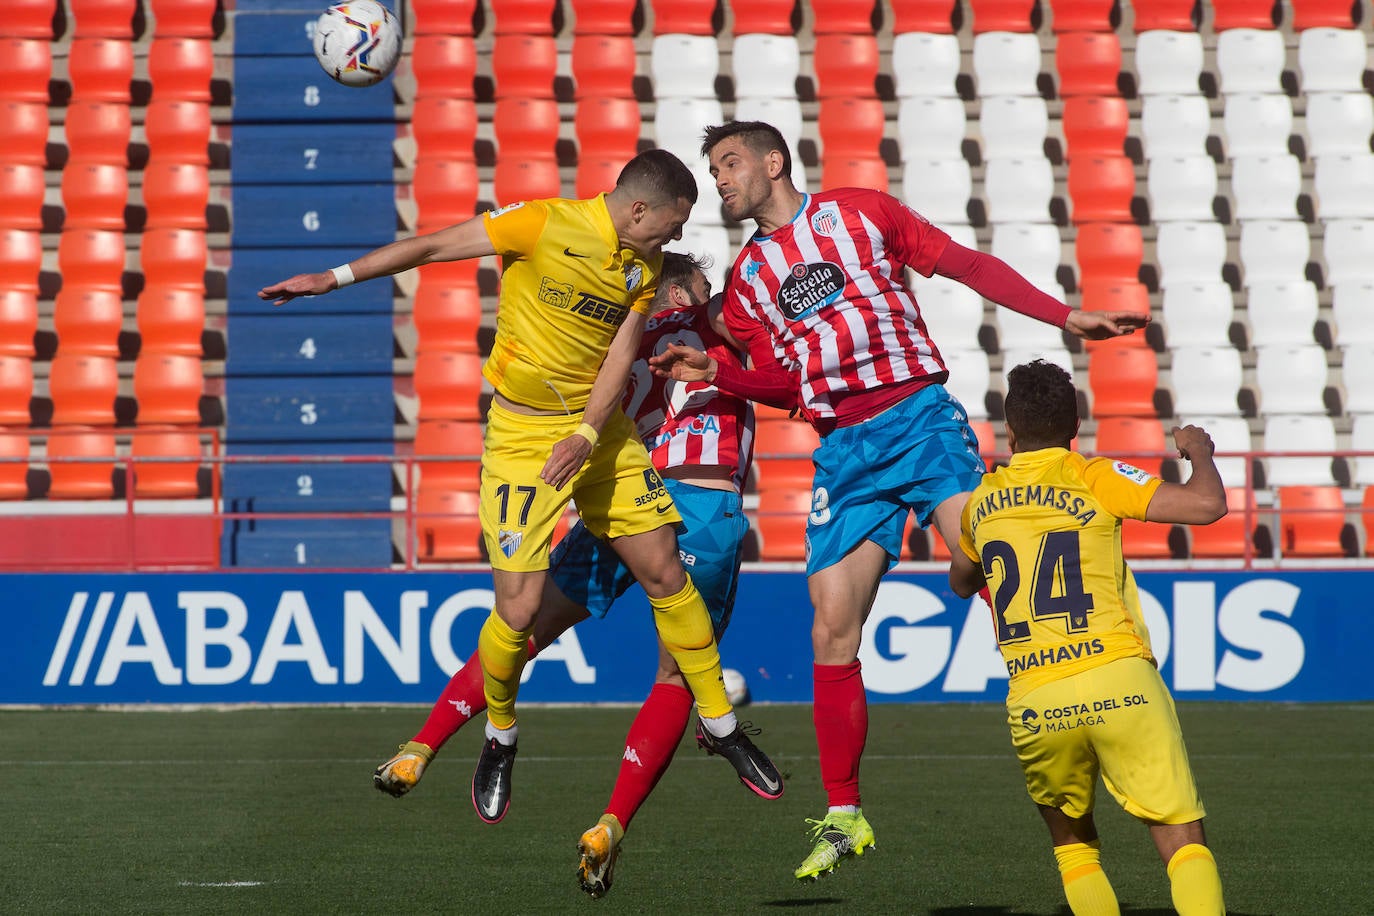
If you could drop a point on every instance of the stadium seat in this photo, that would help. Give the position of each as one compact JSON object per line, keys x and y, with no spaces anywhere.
{"x":94,"y":195}
{"x":765,"y":65}
{"x":603,"y":17}
{"x":451,"y":439}
{"x":1338,"y":122}
{"x":1357,"y":378}
{"x":1168,"y":62}
{"x":684,"y":65}
{"x":1332,"y":60}
{"x":1088,"y":63}
{"x":83,"y":389}
{"x":91,"y":257}
{"x":1013,"y":126}
{"x":14,"y":465}
{"x":1101,"y":188}
{"x":98,"y":132}
{"x":103,"y":18}
{"x":764,"y":17}
{"x":1348,"y":249}
{"x":181,"y":68}
{"x":1272,"y":249}
{"x":684,"y":17}
{"x":88,"y":319}
{"x":525,"y":127}
{"x":101,"y":69}
{"x":1166,"y":15}
{"x":1291,"y":378}
{"x":22,"y":187}
{"x":28,"y":66}
{"x":1114,"y":295}
{"x":195,"y":18}
{"x":1228,"y":537}
{"x":1123,"y":381}
{"x":604,"y":66}
{"x":1001,"y":15}
{"x":1250,"y":60}
{"x":21,"y":257}
{"x":1017,"y":356}
{"x":781,"y":523}
{"x":1082,"y":15}
{"x":74,"y":473}
{"x":700,"y":238}
{"x":1205,"y":381}
{"x":175,"y":194}
{"x":177,"y":130}
{"x":595,"y":175}
{"x":175,"y":477}
{"x":952,"y":312}
{"x":1266,"y":187}
{"x":926,"y":64}
{"x":448,"y":526}
{"x":841,"y":16}
{"x":1344,"y":183}
{"x":1298,"y":433}
{"x":1362,"y":440}
{"x":1006,"y":63}
{"x":18,"y":322}
{"x":171,"y":320}
{"x":969,"y":379}
{"x":782,"y":452}
{"x":850,"y":128}
{"x":1242,"y":14}
{"x":1311,"y":520}
{"x":444,"y":127}
{"x":939,"y":189}
{"x":1332,"y":14}
{"x":1190,"y":252}
{"x":1229,"y":434}
{"x":449,"y":385}
{"x":1104,"y":250}
{"x":679,"y":122}
{"x":921,"y":16}
{"x":1181,"y":187}
{"x":30,"y":19}
{"x":445,"y":190}
{"x":1352,"y":306}
{"x":1136,"y":440}
{"x":1145,"y":540}
{"x":1018,"y":190}
{"x":16,"y":388}
{"x":526,"y":179}
{"x":26,"y":131}
{"x":444,"y":65}
{"x":1197,"y":314}
{"x":168,"y":388}
{"x":1257,"y":124}
{"x":1174,"y":125}
{"x":1281,"y":312}
{"x":524,"y":17}
{"x":931,"y":127}
{"x":172,"y":257}
{"x":846,"y":66}
{"x":1034,"y":250}
{"x":1095,"y":125}
{"x":1016,"y":330}
{"x":524,"y":65}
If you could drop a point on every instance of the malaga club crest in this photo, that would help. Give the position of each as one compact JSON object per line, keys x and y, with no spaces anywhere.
{"x":634,"y":275}
{"x":509,"y":542}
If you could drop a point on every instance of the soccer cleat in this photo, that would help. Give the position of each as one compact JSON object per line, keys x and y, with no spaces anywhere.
{"x":755,"y":770}
{"x":837,"y":835}
{"x":491,"y":781}
{"x":402,"y":772}
{"x":599,"y":850}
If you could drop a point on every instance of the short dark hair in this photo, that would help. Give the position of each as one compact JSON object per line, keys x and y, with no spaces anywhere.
{"x":1041,"y":405}
{"x":761,"y":138}
{"x":658,"y":177}
{"x":678,"y":270}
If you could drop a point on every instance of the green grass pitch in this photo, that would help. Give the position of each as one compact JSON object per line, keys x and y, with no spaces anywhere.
{"x":273,"y":811}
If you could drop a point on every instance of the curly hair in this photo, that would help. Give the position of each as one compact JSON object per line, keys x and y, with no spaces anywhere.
{"x":1041,"y":405}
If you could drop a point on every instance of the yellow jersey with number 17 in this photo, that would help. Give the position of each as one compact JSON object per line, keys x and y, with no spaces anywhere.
{"x":566,"y":287}
{"x":1047,"y":532}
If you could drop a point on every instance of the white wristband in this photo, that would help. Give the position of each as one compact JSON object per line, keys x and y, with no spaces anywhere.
{"x":343,"y":275}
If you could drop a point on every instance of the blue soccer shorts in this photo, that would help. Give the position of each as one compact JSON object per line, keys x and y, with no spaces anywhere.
{"x":710,"y":543}
{"x":909,"y":458}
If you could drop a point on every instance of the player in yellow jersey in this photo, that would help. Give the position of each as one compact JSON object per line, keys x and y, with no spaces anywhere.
{"x":1044,"y":534}
{"x":578,"y":278}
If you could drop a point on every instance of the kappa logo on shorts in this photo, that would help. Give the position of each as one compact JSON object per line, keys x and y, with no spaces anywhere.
{"x":1028,"y":721}
{"x":509,"y":542}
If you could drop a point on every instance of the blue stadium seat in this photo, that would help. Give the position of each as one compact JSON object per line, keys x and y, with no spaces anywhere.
{"x":363,"y":487}
{"x":286,"y":344}
{"x":254,"y":268}
{"x":318,"y":154}
{"x":309,"y":409}
{"x":312,"y":543}
{"x":296,"y":216}
{"x":295,"y":89}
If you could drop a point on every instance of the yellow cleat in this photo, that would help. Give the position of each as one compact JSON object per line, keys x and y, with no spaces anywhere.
{"x":401,"y":773}
{"x":599,"y":847}
{"x":837,"y":835}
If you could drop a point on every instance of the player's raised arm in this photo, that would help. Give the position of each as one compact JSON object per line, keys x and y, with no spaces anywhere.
{"x":1200,"y":501}
{"x":467,"y":239}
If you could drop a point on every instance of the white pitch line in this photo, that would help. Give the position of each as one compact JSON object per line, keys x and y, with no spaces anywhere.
{"x":220,"y":883}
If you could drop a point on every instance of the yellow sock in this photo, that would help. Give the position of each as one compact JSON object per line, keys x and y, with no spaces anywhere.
{"x":685,"y":628}
{"x":1085,"y":883}
{"x":1195,"y":882}
{"x":503,"y":653}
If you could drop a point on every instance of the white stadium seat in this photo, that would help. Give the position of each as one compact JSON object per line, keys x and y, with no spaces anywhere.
{"x":1250,"y":60}
{"x":1266,"y":187}
{"x":1298,"y":433}
{"x":1338,"y":122}
{"x":1281,"y":312}
{"x":1352,"y":307}
{"x":931,"y":127}
{"x":685,"y":65}
{"x":1197,"y":314}
{"x":925,"y":64}
{"x":1332,"y":60}
{"x":1019,"y":190}
{"x":1174,"y":125}
{"x":1291,"y":378}
{"x":765,"y":66}
{"x":1181,"y":187}
{"x":1190,"y":252}
{"x":1257,"y":124}
{"x":938,"y":189}
{"x":1205,"y":380}
{"x":1014,"y":126}
{"x":1006,"y":63}
{"x":1344,"y":183}
{"x":1274,"y":249}
{"x":1229,"y":434}
{"x":1168,"y":62}
{"x":1348,"y":249}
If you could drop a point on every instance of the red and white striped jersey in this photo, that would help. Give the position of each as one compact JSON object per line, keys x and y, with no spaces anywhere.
{"x":829,"y":289}
{"x":689,"y":423}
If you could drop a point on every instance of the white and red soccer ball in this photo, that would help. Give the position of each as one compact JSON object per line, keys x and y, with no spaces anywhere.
{"x":358,"y":43}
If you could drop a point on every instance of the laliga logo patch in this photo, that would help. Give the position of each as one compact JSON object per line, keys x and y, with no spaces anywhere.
{"x":633,"y":275}
{"x":509,"y":541}
{"x":1027,"y":721}
{"x":1131,"y":472}
{"x":506,"y":209}
{"x":824,"y":222}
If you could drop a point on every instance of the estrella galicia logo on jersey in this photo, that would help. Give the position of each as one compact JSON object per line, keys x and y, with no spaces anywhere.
{"x":509,"y":542}
{"x":1131,"y":472}
{"x":751,"y":270}
{"x":554,"y":293}
{"x":634,"y":275}
{"x":825,"y":221}
{"x":1028,"y":721}
{"x":808,"y":287}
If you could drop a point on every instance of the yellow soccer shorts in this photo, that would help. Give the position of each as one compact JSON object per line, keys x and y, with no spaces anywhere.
{"x":1117,"y":719}
{"x":617,"y":492}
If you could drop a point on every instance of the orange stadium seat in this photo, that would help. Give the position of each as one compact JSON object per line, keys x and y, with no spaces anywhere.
{"x":449,"y":385}
{"x":1095,"y":125}
{"x":850,"y":127}
{"x":14,"y":473}
{"x":854,"y":172}
{"x":603,"y":17}
{"x":932,"y":17}
{"x":25,"y":125}
{"x":177,"y":130}
{"x":526,"y":179}
{"x":186,"y":18}
{"x":171,"y":320}
{"x":526,"y":127}
{"x":782,"y":449}
{"x":853,"y":17}
{"x":78,"y":478}
{"x":1145,"y":540}
{"x":444,"y":127}
{"x":155,"y":479}
{"x":1367,"y":514}
{"x":1315,"y":14}
{"x":175,"y":194}
{"x":607,"y":128}
{"x":1101,"y":188}
{"x":91,"y":257}
{"x":181,"y":68}
{"x":30,"y":19}
{"x":101,"y":69}
{"x":764,"y":17}
{"x":16,"y":388}
{"x":103,"y":18}
{"x":846,"y":66}
{"x":98,"y":132}
{"x":1002,"y":15}
{"x":604,"y":66}
{"x":449,"y":439}
{"x":1082,"y":15}
{"x":445,"y":190}
{"x":524,"y":17}
{"x":18,"y":322}
{"x":94,"y":195}
{"x":83,"y":389}
{"x":595,"y":175}
{"x":168,"y":388}
{"x":1134,"y":440}
{"x":684,"y":17}
{"x":448,"y":526}
{"x":1116,"y":295}
{"x":174,"y":257}
{"x":524,"y":66}
{"x":1088,"y":63}
{"x":1243,"y":14}
{"x":21,"y":195}
{"x":444,"y":65}
{"x":1164,"y":15}
{"x":1311,"y":520}
{"x":782,"y":523}
{"x":87,"y":320}
{"x":443,"y":17}
{"x":447,"y":317}
{"x":1113,"y":250}
{"x":21,"y":258}
{"x":28,"y":66}
{"x":450,"y":273}
{"x":1123,"y":381}
{"x":1228,"y":536}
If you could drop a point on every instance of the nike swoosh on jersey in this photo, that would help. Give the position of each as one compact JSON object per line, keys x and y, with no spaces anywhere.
{"x":573,"y":254}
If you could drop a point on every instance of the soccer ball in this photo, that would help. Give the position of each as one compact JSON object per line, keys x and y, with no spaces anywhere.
{"x":736,"y":690}
{"x":358,"y":43}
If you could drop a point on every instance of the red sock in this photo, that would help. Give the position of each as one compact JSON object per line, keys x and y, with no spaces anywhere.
{"x":461,"y":700}
{"x":840,"y":713}
{"x":649,"y":747}
{"x":987,"y":598}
